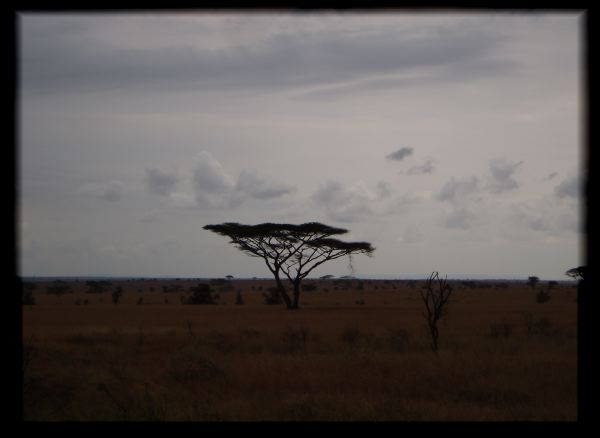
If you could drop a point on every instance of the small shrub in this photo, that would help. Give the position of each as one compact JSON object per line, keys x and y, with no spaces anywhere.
{"x":117,"y":294}
{"x":360,"y":302}
{"x":140,"y":300}
{"x":541,"y":326}
{"x":202,"y":294}
{"x":239,"y":300}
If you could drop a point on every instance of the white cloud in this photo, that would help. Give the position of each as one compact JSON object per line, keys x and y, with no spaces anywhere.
{"x":107,"y":191}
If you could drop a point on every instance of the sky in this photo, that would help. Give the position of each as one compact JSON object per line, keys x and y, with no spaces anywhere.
{"x":450,"y":141}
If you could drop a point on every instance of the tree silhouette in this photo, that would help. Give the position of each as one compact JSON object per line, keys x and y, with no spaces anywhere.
{"x":435,"y":295}
{"x":577,"y":273}
{"x":532,"y":281}
{"x":292,"y":250}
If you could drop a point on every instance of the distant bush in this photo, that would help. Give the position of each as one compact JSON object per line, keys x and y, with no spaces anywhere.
{"x":202,"y":294}
{"x":117,"y":294}
{"x":140,"y":300}
{"x":360,"y":302}
{"x":59,"y":287}
{"x":97,"y":287}
{"x":309,"y":287}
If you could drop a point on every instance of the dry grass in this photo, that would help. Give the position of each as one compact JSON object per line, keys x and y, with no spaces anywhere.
{"x":502,"y":357}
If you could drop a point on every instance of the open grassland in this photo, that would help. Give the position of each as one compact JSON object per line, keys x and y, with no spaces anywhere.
{"x":356,"y":352}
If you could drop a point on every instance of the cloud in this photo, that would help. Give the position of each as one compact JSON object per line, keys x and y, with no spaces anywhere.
{"x":544,"y":215}
{"x":423,"y":169}
{"x":213,"y":187}
{"x":412,"y":235}
{"x":400,"y":154}
{"x":258,"y":188}
{"x":459,"y":190}
{"x":502,"y":171}
{"x":107,"y":191}
{"x":345,"y":204}
{"x":570,"y":187}
{"x":161,"y":182}
{"x":63,"y":57}
{"x":551,"y":176}
{"x":460,"y":218}
{"x":383,"y":189}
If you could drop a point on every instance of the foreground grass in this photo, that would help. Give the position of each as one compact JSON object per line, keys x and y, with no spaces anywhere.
{"x":507,"y":362}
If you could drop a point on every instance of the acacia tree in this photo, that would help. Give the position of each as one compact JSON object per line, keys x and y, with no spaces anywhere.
{"x":290,"y":251}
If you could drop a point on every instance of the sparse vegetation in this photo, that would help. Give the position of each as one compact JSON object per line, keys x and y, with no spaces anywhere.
{"x":503,"y":357}
{"x":202,"y":294}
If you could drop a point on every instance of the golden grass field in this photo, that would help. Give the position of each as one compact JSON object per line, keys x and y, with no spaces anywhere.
{"x":345,"y":355}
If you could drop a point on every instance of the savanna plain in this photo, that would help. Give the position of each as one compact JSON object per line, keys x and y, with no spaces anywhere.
{"x":355,"y":350}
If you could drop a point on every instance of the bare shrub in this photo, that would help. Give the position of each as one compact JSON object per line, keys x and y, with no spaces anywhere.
{"x":435,"y":295}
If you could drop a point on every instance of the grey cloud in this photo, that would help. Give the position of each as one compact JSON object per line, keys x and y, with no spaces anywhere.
{"x":569,"y":188}
{"x":551,"y":176}
{"x":107,"y":191}
{"x":460,"y":218}
{"x":344,"y":204}
{"x":400,"y":154}
{"x":502,"y":175}
{"x":383,"y":189}
{"x":63,"y":59}
{"x":423,"y":169}
{"x":250,"y":183}
{"x":161,"y":182}
{"x":544,"y":215}
{"x":458,"y":190}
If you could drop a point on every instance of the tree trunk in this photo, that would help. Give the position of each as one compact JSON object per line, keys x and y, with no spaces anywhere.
{"x":296,"y":303}
{"x":283,"y":293}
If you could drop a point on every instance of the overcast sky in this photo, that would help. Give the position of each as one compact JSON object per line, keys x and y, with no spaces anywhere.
{"x":450,"y":142}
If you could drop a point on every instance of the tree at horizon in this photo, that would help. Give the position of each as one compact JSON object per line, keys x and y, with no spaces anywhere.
{"x":294,"y":250}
